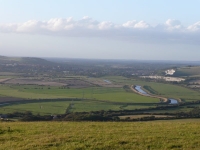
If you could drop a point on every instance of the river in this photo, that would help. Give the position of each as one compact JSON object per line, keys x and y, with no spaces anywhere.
{"x":173,"y":101}
{"x":138,"y":88}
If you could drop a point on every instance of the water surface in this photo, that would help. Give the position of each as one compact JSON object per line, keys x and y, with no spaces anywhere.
{"x":173,"y":101}
{"x":138,"y":88}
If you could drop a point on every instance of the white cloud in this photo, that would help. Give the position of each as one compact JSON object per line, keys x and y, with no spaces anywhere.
{"x":136,"y":24}
{"x":29,"y":26}
{"x":105,"y":25}
{"x":173,"y":24}
{"x":129,"y":24}
{"x":194,"y":27}
{"x":142,"y":25}
{"x":55,"y":24}
{"x":170,"y":31}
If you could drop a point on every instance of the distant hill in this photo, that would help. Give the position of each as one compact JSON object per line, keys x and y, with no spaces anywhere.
{"x":24,"y":60}
{"x":188,"y":71}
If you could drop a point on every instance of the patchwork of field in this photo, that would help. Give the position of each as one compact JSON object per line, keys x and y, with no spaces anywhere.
{"x":171,"y":91}
{"x":161,"y":89}
{"x":176,"y":134}
{"x":25,"y":81}
{"x":73,"y":82}
{"x":98,"y":93}
{"x":101,"y":97}
{"x":77,"y":83}
{"x":102,"y":82}
{"x":59,"y":107}
{"x":85,"y":88}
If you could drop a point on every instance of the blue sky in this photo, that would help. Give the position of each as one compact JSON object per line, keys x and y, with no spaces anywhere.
{"x":114,"y":29}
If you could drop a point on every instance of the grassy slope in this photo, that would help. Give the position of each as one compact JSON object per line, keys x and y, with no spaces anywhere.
{"x":188,"y":71}
{"x":96,"y":135}
{"x":22,"y":60}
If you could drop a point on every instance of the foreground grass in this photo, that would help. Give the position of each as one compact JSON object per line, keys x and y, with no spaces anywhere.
{"x":100,"y":135}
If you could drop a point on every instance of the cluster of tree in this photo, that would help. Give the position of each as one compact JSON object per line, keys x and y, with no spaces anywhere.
{"x":28,"y":116}
{"x":189,"y":103}
{"x":86,"y":117}
{"x":111,"y":115}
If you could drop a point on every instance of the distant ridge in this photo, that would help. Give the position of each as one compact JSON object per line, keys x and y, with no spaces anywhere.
{"x":24,"y":60}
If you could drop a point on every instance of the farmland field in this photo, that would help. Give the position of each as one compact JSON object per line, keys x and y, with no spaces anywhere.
{"x":59,"y":107}
{"x":43,"y":108}
{"x":99,"y":93}
{"x":177,"y":134}
{"x":92,"y":98}
{"x":51,"y":89}
{"x":162,"y":89}
{"x":171,"y":91}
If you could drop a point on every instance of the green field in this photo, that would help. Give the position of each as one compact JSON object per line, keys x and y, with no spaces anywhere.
{"x":101,"y":93}
{"x":171,"y":91}
{"x":100,"y":135}
{"x":59,"y":107}
{"x":93,"y":98}
{"x":107,"y":96}
{"x":43,"y":108}
{"x":162,"y":89}
{"x":98,"y":93}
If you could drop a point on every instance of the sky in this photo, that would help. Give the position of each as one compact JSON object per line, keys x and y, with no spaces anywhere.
{"x":101,"y":29}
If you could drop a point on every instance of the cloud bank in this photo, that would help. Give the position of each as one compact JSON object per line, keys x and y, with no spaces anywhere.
{"x":171,"y":31}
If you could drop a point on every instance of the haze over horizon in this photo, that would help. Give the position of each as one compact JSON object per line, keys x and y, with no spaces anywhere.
{"x":138,"y":30}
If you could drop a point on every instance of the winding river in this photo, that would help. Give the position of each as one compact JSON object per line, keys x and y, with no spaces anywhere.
{"x":141,"y":91}
{"x":138,"y":88}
